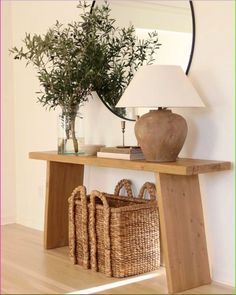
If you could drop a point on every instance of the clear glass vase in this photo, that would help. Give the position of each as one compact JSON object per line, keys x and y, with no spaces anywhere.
{"x":70,"y":132}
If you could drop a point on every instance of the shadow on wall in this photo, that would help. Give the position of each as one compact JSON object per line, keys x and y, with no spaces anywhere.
{"x":199,"y":137}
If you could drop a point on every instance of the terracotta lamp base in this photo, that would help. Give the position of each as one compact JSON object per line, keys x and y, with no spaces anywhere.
{"x":161,"y":135}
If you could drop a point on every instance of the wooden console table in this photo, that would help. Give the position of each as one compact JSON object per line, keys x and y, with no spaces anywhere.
{"x":181,"y":215}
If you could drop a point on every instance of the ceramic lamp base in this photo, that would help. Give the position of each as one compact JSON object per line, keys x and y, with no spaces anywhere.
{"x":161,"y":135}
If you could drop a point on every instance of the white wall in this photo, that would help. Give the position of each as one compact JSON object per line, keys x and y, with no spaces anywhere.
{"x":34,"y":127}
{"x":219,"y":91}
{"x":8,"y":214}
{"x":210,"y":130}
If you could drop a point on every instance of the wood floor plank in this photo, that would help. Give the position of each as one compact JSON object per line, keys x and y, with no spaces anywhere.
{"x":29,"y":269}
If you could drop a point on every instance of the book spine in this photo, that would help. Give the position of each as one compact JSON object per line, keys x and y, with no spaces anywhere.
{"x":113,"y":155}
{"x":121,"y":150}
{"x":120,"y":156}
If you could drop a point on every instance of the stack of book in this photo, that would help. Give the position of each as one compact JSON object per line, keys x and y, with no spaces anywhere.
{"x":124,"y":153}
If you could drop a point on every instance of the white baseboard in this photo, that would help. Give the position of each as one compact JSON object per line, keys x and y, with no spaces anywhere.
{"x":224,"y":284}
{"x":8,"y":220}
{"x":30,"y":223}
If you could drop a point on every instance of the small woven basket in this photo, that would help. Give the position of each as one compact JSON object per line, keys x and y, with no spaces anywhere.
{"x":124,"y":233}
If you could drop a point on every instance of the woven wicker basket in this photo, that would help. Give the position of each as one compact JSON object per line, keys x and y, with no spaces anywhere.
{"x":78,"y":227}
{"x":124,"y":233}
{"x":78,"y":222}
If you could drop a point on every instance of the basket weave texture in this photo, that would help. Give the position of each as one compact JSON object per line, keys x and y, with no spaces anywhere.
{"x":78,"y":227}
{"x":79,"y":222}
{"x":123,"y":231}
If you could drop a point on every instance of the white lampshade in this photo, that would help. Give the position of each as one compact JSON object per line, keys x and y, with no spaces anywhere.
{"x":160,"y":86}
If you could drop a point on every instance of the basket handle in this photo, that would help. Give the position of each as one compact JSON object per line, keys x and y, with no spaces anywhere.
{"x":150,"y":188}
{"x":79,"y":193}
{"x":127,"y":185}
{"x":93,"y":236}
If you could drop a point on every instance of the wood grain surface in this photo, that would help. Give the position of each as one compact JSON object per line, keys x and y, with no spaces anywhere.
{"x":183,"y":232}
{"x":29,"y":269}
{"x":61,"y":181}
{"x":180,"y":167}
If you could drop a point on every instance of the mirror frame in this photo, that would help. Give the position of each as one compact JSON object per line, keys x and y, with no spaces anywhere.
{"x":190,"y":56}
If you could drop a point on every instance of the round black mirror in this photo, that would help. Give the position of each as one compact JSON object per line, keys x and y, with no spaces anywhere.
{"x":175,"y":23}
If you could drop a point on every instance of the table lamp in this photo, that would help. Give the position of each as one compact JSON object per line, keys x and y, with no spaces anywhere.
{"x":160,"y":133}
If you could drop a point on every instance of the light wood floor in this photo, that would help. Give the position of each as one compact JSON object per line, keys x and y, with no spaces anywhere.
{"x":29,"y":269}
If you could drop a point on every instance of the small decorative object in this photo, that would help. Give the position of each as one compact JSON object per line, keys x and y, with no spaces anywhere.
{"x":123,"y":132}
{"x":91,"y":149}
{"x":137,"y":118}
{"x":75,"y":59}
{"x":123,"y":146}
{"x":160,"y":133}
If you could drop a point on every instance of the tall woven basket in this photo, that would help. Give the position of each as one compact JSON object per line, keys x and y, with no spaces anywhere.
{"x":124,"y":233}
{"x":78,"y":222}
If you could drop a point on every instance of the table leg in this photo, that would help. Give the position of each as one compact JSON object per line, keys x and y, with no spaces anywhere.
{"x":183,"y":232}
{"x":62,"y":178}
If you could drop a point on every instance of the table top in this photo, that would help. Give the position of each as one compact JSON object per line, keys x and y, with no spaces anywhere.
{"x":182,"y":166}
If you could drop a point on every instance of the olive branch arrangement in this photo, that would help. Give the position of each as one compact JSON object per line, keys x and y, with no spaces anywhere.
{"x":83,"y":56}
